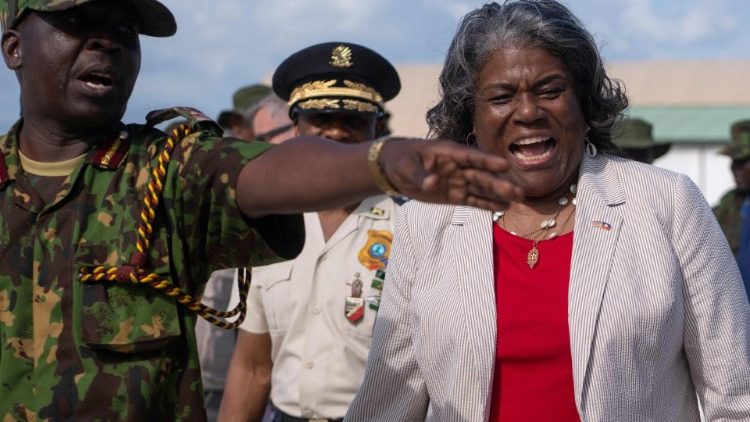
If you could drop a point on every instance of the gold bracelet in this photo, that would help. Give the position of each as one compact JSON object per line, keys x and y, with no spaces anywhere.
{"x":373,"y":162}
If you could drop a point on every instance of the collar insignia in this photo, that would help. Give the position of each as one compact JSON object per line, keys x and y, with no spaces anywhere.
{"x":378,"y":212}
{"x":110,"y":153}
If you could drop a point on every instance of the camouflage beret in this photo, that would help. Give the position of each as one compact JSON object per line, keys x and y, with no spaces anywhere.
{"x":154,"y":18}
{"x":739,"y":146}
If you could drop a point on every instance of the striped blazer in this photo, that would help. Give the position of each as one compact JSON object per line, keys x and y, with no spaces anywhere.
{"x":657,"y":312}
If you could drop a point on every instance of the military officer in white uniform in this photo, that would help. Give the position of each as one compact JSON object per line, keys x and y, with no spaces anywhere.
{"x":309,"y":323}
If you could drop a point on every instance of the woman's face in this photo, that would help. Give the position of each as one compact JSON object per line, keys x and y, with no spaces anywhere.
{"x":526,"y":110}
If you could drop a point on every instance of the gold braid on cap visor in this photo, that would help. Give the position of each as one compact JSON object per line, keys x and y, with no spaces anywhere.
{"x":323,"y":94}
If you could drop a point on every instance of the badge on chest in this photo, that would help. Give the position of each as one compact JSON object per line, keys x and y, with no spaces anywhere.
{"x":373,"y":256}
{"x":354,"y":307}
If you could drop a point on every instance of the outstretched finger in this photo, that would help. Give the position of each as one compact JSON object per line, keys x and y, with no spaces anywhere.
{"x":467,"y":157}
{"x":490,"y":186}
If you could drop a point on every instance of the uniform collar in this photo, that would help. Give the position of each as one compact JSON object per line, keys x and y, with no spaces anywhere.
{"x":9,"y":155}
{"x":109,"y":154}
{"x":374,"y":207}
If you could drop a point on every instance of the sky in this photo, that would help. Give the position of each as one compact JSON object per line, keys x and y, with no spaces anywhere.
{"x":222,"y":45}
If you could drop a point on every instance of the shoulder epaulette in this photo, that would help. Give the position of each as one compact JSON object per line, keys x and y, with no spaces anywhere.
{"x":196,"y":120}
{"x":400,"y":200}
{"x":4,"y":177}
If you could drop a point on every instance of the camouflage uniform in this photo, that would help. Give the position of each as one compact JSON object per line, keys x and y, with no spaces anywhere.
{"x":729,"y":218}
{"x":728,"y":211}
{"x":104,"y":351}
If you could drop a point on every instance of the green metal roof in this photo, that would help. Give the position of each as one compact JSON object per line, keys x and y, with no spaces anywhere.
{"x":691,"y":124}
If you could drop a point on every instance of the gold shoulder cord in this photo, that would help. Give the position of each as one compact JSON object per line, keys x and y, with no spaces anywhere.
{"x":133,"y":272}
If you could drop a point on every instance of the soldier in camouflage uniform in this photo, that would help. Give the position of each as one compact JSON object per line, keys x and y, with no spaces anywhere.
{"x":733,"y":211}
{"x":78,"y":191}
{"x":728,"y":210}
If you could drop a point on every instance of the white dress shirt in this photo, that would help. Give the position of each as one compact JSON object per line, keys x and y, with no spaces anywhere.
{"x":319,"y":356}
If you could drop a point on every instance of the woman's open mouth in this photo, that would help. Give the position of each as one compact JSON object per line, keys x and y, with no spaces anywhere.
{"x":530,"y":151}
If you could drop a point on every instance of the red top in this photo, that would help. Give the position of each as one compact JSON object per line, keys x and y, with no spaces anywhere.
{"x":533,"y":368}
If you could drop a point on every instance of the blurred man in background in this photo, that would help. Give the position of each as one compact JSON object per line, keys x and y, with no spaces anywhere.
{"x":270,"y":120}
{"x":733,"y":211}
{"x":234,"y":121}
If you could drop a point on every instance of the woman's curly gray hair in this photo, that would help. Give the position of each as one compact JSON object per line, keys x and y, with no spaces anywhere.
{"x":544,"y":24}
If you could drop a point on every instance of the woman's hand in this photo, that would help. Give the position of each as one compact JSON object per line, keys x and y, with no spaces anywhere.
{"x":447,"y":172}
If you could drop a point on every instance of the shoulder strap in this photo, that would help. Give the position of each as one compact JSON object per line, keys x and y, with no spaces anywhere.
{"x":4,"y":177}
{"x":196,"y":120}
{"x":400,"y":200}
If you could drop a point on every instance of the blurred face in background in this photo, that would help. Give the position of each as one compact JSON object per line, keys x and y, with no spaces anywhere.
{"x":272,"y":125}
{"x":741,"y":172}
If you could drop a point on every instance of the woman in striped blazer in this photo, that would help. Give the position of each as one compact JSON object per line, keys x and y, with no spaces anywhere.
{"x":607,"y":294}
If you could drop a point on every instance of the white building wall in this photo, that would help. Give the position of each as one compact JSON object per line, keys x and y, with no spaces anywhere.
{"x":704,"y":165}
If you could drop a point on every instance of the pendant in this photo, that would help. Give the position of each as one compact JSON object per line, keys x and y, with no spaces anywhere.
{"x":533,"y":257}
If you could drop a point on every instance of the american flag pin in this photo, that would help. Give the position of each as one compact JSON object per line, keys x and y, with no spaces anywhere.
{"x":601,"y":225}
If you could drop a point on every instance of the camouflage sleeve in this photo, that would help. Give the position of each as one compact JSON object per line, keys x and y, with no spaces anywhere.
{"x":728,"y":215}
{"x":215,"y":233}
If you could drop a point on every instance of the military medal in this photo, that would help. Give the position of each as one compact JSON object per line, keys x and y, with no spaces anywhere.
{"x":377,"y":284}
{"x":374,"y":302}
{"x":378,"y":280}
{"x":354,"y":307}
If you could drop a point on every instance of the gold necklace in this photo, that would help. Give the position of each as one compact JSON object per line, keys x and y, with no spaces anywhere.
{"x":532,"y":258}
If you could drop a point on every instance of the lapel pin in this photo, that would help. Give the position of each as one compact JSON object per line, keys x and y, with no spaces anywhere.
{"x":601,"y":225}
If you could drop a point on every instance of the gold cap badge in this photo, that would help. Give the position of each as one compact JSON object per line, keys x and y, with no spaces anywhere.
{"x":341,"y":56}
